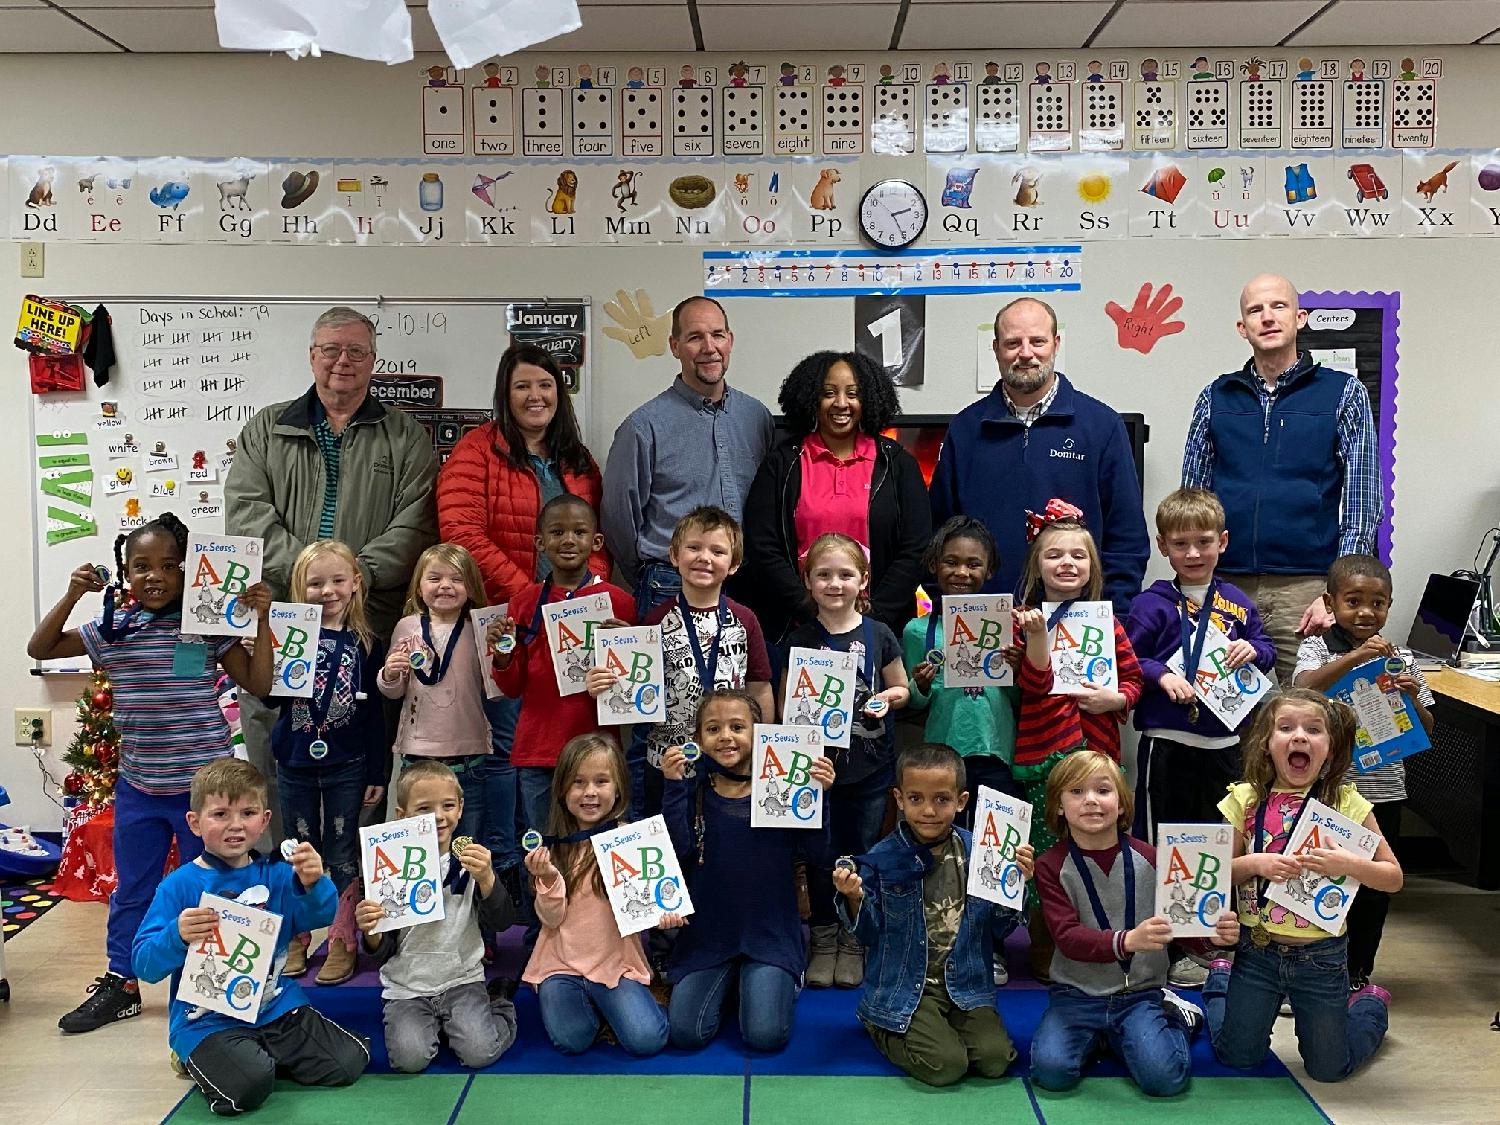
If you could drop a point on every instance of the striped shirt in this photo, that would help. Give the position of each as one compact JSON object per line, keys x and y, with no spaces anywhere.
{"x":1050,"y":723}
{"x":329,"y":445}
{"x":169,"y":724}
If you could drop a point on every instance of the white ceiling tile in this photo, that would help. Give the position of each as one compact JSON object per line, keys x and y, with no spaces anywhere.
{"x":760,"y":27}
{"x":942,"y":26}
{"x":1402,"y":22}
{"x":628,"y":27}
{"x":1155,"y":24}
{"x":183,"y":30}
{"x":43,"y":30}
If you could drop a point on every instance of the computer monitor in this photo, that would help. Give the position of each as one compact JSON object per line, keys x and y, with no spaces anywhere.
{"x":1437,"y":631}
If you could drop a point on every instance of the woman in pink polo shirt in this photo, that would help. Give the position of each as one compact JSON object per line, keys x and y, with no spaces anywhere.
{"x":833,"y":471}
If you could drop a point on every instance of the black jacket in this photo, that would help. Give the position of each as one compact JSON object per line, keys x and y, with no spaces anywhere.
{"x":900,"y":527}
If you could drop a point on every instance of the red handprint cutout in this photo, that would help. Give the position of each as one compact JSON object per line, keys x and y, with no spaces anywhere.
{"x":1149,"y":319}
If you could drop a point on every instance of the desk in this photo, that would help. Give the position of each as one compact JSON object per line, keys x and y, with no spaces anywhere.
{"x":1455,"y":786}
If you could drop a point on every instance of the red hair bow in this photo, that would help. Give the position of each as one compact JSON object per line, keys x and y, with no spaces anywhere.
{"x":1055,"y":511}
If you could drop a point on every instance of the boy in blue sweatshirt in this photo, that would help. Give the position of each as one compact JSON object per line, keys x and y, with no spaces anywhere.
{"x":235,"y":1063}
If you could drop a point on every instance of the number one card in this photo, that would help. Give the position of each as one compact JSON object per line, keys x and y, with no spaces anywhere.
{"x":1001,"y":825}
{"x":782,"y":791}
{"x":217,"y":570}
{"x":977,"y":629}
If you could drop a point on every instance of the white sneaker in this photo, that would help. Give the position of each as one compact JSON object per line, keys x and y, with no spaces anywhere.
{"x":1002,"y":973}
{"x":1187,"y":973}
{"x":1184,"y":1011}
{"x":1285,"y":1009}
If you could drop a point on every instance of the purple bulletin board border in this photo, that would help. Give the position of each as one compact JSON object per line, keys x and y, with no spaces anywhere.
{"x":1385,"y":424}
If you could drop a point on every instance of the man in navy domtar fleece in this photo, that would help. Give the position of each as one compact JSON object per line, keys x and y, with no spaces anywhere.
{"x":1035,"y":437}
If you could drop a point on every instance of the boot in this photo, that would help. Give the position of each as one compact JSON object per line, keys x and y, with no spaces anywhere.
{"x":339,"y":966}
{"x":849,"y":968}
{"x":823,"y":957}
{"x":296,"y":957}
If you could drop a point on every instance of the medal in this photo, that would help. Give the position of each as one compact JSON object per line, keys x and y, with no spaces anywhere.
{"x":1396,"y":665}
{"x":876,"y":707}
{"x":934,"y":657}
{"x":459,"y":844}
{"x":101,"y":572}
{"x":505,"y":644}
{"x":417,"y":659}
{"x":531,"y":839}
{"x":288,"y":848}
{"x":317,"y":749}
{"x":1192,"y":712}
{"x":845,"y":863}
{"x":1260,"y":937}
{"x":691,"y":751}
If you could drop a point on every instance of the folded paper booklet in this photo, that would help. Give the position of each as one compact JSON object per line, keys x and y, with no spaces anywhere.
{"x":1388,"y":727}
{"x":1083,"y":647}
{"x":295,"y":628}
{"x":1316,"y":898}
{"x":1230,"y":693}
{"x":570,"y":626}
{"x":218,"y":569}
{"x":1193,"y":879}
{"x":782,"y":791}
{"x":977,"y":629}
{"x":403,"y":871}
{"x":641,"y":875}
{"x":1001,"y":825}
{"x":227,"y":971}
{"x":633,"y":654}
{"x":479,"y":621}
{"x":820,"y":692}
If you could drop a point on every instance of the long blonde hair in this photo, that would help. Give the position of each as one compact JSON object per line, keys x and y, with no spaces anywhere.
{"x":449,"y":554}
{"x":1260,"y":769}
{"x":355,"y":618}
{"x":1032,"y":590}
{"x":575,"y":861}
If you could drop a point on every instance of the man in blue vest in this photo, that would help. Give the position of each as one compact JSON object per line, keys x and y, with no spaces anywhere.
{"x":1289,"y":447}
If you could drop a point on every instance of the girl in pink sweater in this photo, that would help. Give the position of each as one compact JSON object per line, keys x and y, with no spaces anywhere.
{"x":584,"y":972}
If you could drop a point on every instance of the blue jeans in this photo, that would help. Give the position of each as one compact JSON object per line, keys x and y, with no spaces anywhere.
{"x":856,"y":814}
{"x":145,"y":825}
{"x":500,"y":784}
{"x":534,"y":786}
{"x":320,"y":804}
{"x":573,"y":1006}
{"x":767,"y":997}
{"x":1132,"y":1025}
{"x":656,"y":583}
{"x":1333,"y":1036}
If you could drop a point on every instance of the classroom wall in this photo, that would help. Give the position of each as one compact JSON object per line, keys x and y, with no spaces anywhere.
{"x":1447,"y":484}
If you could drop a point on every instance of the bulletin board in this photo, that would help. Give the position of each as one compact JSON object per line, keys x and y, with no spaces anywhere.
{"x":191,"y":371}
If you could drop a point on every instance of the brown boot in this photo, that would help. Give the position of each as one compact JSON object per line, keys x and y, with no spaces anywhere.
{"x":823,"y":956}
{"x":296,"y":957}
{"x":849,"y":968}
{"x":340,"y":964}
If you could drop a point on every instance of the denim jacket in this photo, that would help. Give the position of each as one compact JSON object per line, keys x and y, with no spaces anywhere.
{"x":892,"y":925}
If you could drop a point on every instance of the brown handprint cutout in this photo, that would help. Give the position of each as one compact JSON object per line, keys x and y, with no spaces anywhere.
{"x":1148,"y":320}
{"x":640,"y":329}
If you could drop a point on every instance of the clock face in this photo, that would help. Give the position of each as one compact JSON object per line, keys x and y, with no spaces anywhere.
{"x":893,"y":213}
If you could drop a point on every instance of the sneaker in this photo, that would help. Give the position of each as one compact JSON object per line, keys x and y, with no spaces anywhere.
{"x":1186,"y":973}
{"x":178,"y":1067}
{"x":1372,"y":990}
{"x":849,"y":966}
{"x":1285,"y":1009}
{"x":1357,"y":982}
{"x":114,"y":998}
{"x":1002,"y":972}
{"x":1220,"y":963}
{"x":823,"y":956}
{"x":1184,"y":1011}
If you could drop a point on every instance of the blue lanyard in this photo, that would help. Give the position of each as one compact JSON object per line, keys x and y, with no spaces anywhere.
{"x":1059,"y":613}
{"x":869,"y":639}
{"x":581,"y":835}
{"x":113,"y":631}
{"x":706,"y":669}
{"x":536,"y":617}
{"x":1192,"y":643}
{"x":1100,"y":914}
{"x":317,"y":706}
{"x":1260,"y":842}
{"x":439,"y":664}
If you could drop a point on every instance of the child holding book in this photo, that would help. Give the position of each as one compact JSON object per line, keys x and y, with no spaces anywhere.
{"x":585,"y":974}
{"x":1359,"y":596}
{"x":746,"y":933}
{"x":837,"y":575}
{"x":1298,"y":746}
{"x":236,"y":1063}
{"x":929,"y":1003}
{"x":166,"y":708}
{"x":1109,"y":964}
{"x":432,"y":975}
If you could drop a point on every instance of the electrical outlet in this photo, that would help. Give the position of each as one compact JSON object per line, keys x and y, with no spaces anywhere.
{"x":33,"y":726}
{"x":33,"y":259}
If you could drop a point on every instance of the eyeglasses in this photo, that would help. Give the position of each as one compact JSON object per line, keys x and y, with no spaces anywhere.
{"x":355,"y":352}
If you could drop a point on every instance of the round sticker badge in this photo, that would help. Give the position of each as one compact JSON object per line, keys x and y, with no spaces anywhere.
{"x":691,"y":751}
{"x":288,"y":849}
{"x":531,"y":839}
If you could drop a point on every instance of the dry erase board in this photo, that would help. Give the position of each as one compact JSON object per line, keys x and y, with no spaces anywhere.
{"x":191,"y":371}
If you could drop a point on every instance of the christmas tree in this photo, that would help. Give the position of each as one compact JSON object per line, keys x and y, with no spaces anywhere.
{"x":94,"y":753}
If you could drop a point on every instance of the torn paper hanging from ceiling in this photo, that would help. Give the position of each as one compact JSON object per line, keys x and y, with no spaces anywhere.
{"x":379,"y":30}
{"x":475,"y":30}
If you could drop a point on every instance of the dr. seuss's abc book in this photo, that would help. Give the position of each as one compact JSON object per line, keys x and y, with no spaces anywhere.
{"x":977,"y":629}
{"x":1083,"y":647}
{"x":217,"y":570}
{"x":782,"y":791}
{"x":403,"y":871}
{"x":570,"y":626}
{"x":1001,"y":825}
{"x":1230,"y":693}
{"x":479,"y":621}
{"x":227,"y":971}
{"x":1193,"y":879}
{"x":1316,"y":898}
{"x":641,"y":875}
{"x":1387,"y":727}
{"x":820,"y":692}
{"x":634,"y":655}
{"x":294,"y":635}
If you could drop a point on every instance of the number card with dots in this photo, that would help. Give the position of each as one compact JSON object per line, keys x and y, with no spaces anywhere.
{"x":1260,"y":114}
{"x":593,"y":131}
{"x":1312,"y":114}
{"x":744,"y":120}
{"x":1153,"y":121}
{"x":1207,"y":113}
{"x":693,"y":121}
{"x":997,"y":124}
{"x":792,"y":128}
{"x":893,"y":124}
{"x":1050,"y":117}
{"x":443,"y":120}
{"x":1414,"y":113}
{"x":542,"y":112}
{"x":1364,"y":114}
{"x":641,"y":121}
{"x":494,"y":121}
{"x":844,"y":119}
{"x":1101,"y":121}
{"x":947,"y":107}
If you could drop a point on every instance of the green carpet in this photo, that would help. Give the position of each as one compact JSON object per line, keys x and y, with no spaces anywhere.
{"x":585,"y":1099}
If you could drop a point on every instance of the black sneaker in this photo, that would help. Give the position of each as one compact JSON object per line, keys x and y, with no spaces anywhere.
{"x":114,"y":998}
{"x":1356,"y":983}
{"x":1185,"y":1012}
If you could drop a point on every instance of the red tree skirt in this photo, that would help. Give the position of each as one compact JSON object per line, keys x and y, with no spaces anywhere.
{"x":87,"y":870}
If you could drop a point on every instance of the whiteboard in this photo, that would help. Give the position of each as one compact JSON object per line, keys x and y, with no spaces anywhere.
{"x":191,"y":371}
